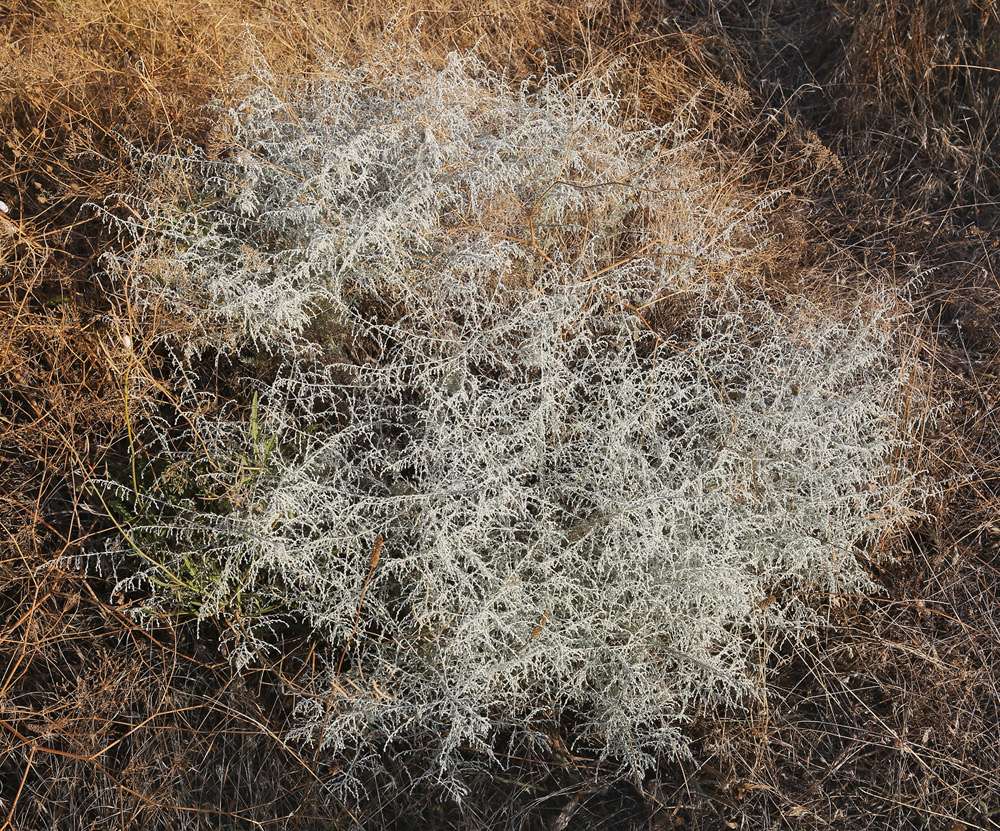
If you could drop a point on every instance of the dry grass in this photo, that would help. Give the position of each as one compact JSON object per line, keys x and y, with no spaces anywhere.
{"x":880,"y":118}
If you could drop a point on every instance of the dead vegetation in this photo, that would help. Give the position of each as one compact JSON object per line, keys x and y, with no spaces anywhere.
{"x":880,"y":119}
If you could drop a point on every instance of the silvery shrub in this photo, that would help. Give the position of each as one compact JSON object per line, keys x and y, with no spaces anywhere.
{"x":501,"y":484}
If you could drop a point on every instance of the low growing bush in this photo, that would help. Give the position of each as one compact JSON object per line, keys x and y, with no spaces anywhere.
{"x":498,"y":480}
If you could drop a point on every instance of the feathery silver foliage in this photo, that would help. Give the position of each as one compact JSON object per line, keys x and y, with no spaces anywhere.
{"x":504,"y":494}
